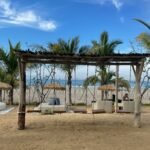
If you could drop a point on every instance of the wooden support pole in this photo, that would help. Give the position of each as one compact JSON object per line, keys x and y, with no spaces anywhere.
{"x":116,"y":97}
{"x":137,"y":97}
{"x":22,"y":104}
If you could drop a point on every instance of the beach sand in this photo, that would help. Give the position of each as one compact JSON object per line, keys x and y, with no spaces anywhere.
{"x":71,"y":131}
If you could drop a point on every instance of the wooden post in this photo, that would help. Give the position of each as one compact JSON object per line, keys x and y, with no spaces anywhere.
{"x":137,"y":97}
{"x":22,"y":104}
{"x":116,"y":97}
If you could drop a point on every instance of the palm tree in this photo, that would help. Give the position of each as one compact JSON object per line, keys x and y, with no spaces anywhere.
{"x":9,"y":60}
{"x":103,"y":47}
{"x":67,"y":47}
{"x":105,"y":77}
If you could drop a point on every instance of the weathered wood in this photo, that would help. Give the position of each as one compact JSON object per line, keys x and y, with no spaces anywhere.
{"x":22,"y":103}
{"x":94,"y":63}
{"x":33,"y":111}
{"x":116,"y":96}
{"x":137,"y":95}
{"x":52,"y":58}
{"x":49,"y":58}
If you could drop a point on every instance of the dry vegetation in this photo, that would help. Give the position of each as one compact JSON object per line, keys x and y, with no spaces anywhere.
{"x":75,"y":132}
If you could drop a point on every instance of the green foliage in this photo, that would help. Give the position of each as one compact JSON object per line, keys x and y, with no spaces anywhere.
{"x":9,"y":64}
{"x":92,"y":80}
{"x":144,"y":39}
{"x":122,"y":83}
{"x":2,"y":75}
{"x":104,"y":47}
{"x":65,"y":47}
{"x":105,"y":77}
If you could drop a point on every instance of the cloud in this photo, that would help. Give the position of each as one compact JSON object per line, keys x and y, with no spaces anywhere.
{"x":11,"y":16}
{"x":116,"y":3}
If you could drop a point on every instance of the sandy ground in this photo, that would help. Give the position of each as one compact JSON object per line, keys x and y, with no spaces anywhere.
{"x":75,"y":132}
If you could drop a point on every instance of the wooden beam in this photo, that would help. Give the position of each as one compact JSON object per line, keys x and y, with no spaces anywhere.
{"x":79,"y":62}
{"x":22,"y":103}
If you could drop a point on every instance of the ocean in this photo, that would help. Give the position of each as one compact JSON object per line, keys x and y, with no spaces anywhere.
{"x":77,"y":83}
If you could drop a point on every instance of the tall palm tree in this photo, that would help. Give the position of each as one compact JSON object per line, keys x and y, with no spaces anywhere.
{"x":67,"y":47}
{"x":103,"y":47}
{"x":9,"y":60}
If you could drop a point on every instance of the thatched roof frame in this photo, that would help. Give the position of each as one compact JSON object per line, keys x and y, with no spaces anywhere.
{"x":54,"y":86}
{"x":107,"y":87}
{"x":5,"y":86}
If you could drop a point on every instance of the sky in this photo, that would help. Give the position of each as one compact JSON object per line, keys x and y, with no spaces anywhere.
{"x":43,"y":21}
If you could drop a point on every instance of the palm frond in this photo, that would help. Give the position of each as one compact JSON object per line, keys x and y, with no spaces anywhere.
{"x":104,"y":38}
{"x":74,"y":45}
{"x":84,"y":50}
{"x":122,"y":83}
{"x":92,"y":80}
{"x":3,"y":56}
{"x":104,"y":47}
{"x":144,"y":39}
{"x":142,"y":22}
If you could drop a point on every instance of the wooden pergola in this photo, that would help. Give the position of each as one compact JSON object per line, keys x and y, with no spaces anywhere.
{"x":24,"y":57}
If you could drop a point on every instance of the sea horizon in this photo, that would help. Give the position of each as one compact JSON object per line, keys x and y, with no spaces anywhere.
{"x":79,"y":83}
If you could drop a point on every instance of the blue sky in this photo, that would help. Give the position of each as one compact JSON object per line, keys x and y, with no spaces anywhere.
{"x":40,"y":22}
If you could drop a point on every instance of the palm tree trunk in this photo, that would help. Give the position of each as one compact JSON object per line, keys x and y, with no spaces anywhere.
{"x":70,"y":86}
{"x":11,"y":92}
{"x":0,"y":95}
{"x":102,"y":95}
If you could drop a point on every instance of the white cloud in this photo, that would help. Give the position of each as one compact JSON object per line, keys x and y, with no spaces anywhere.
{"x":47,"y":25}
{"x":5,"y":8}
{"x":28,"y":18}
{"x":116,"y":3}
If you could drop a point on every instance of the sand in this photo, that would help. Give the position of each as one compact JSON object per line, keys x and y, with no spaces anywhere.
{"x":75,"y":132}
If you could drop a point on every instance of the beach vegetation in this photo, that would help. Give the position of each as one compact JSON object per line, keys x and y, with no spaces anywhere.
{"x":9,"y":65}
{"x":71,"y":47}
